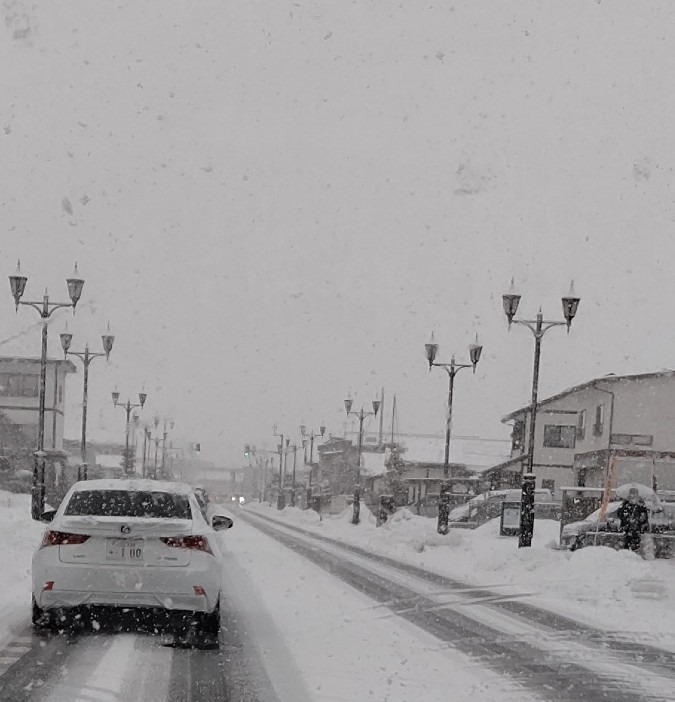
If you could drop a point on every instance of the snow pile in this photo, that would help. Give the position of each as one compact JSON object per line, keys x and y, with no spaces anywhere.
{"x":21,"y":535}
{"x":617,"y":590}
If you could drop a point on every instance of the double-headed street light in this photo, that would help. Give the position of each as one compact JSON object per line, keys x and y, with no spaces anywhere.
{"x":127,"y":407}
{"x":451,"y":369}
{"x":311,"y":436}
{"x":86,"y":357}
{"x":281,"y":497}
{"x":538,"y":327}
{"x":45,"y":309}
{"x":362,"y":414}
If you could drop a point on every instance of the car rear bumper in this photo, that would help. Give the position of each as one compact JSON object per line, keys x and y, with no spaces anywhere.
{"x":56,"y":599}
{"x":195,"y":588}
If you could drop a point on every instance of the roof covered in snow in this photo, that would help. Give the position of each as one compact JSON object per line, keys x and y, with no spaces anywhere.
{"x":474,"y":453}
{"x":372,"y":464}
{"x":610,"y":378}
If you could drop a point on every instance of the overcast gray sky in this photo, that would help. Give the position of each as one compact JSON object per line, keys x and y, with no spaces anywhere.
{"x":274,"y":203}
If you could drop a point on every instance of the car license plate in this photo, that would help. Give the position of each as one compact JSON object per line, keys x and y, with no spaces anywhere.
{"x":124,"y":550}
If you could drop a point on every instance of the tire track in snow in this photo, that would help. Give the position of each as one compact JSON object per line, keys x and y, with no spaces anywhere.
{"x":551,"y":675}
{"x":658,"y":659}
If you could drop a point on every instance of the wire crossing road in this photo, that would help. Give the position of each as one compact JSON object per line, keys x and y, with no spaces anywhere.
{"x":553,"y":657}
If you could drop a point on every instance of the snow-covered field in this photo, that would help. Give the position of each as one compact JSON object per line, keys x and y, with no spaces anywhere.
{"x":20,"y":536}
{"x":616,"y":590}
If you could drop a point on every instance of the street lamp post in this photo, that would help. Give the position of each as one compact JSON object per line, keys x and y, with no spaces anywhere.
{"x":538,"y":327}
{"x":362,"y":414}
{"x":311,"y":436}
{"x":295,"y":457}
{"x":451,"y":369}
{"x":156,"y":440}
{"x":45,"y":309}
{"x":165,"y":433}
{"x":86,"y":357}
{"x":127,"y":407}
{"x":281,"y":497}
{"x":146,"y":437}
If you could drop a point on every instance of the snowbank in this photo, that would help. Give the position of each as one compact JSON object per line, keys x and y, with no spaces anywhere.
{"x":20,"y":537}
{"x":616,"y":590}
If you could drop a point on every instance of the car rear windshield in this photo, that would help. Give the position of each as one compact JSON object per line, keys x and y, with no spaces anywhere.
{"x":128,"y":503}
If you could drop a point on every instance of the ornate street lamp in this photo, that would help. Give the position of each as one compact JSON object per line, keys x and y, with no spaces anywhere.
{"x":127,"y":407}
{"x":311,"y":436}
{"x":45,"y":308}
{"x":452,"y":368}
{"x":281,"y":496}
{"x":538,"y":327}
{"x":86,"y":357}
{"x":362,"y":414}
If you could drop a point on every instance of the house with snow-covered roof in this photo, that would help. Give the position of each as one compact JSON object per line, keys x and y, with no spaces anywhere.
{"x":617,"y":426}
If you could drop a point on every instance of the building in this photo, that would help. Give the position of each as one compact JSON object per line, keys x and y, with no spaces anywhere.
{"x":411,"y":468}
{"x":421,"y":458}
{"x":618,"y":422}
{"x":19,"y":396}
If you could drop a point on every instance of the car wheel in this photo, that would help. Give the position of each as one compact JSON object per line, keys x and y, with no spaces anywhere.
{"x":210,"y":623}
{"x":40,"y":618}
{"x":208,"y":628}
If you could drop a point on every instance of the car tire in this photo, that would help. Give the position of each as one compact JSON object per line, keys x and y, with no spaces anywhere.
{"x":40,"y":618}
{"x":208,"y":629}
{"x":210,"y":622}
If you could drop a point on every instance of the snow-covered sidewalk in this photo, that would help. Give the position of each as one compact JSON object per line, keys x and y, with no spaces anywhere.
{"x":614,"y":590}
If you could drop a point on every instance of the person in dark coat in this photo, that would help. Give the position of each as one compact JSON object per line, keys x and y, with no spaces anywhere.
{"x":634,"y":520}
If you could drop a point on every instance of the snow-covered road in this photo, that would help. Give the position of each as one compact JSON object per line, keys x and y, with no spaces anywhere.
{"x":310,"y":619}
{"x":553,"y":658}
{"x":292,"y":632}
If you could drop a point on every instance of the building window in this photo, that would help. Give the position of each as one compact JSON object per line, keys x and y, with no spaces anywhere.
{"x":599,"y":425}
{"x":517,"y":435}
{"x":19,"y":385}
{"x":60,"y":394}
{"x":548,"y":484}
{"x":556,"y":436}
{"x":581,"y":424}
{"x":643,"y":439}
{"x":622,"y":439}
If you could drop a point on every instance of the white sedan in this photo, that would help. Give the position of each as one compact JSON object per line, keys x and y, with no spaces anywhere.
{"x":130,"y":544}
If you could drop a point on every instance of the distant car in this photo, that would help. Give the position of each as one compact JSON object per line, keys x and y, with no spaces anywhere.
{"x":132,"y":544}
{"x":572,"y":537}
{"x":493,"y":500}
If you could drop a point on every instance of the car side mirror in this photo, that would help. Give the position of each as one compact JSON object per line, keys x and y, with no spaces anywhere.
{"x":220,"y":523}
{"x":48,"y":516}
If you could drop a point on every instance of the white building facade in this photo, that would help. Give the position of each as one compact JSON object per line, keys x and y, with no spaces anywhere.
{"x":619,"y":428}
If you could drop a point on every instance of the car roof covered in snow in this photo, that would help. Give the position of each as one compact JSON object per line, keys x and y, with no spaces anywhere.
{"x":133,"y":485}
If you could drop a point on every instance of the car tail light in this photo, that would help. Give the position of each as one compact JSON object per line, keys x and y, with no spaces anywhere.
{"x":197,"y":543}
{"x":62,"y":538}
{"x":199,"y":591}
{"x":48,"y":586}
